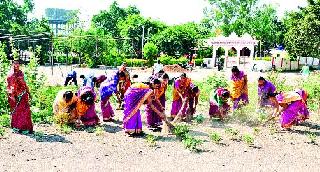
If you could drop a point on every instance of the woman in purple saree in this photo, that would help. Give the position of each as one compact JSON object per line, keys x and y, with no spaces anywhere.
{"x":107,"y":89}
{"x":293,"y":108}
{"x":87,"y":95}
{"x":134,"y":98}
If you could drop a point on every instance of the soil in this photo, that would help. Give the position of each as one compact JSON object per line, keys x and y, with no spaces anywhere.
{"x":49,"y":149}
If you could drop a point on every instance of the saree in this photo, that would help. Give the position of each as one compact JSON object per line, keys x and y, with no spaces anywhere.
{"x":177,"y":103}
{"x":60,"y":106}
{"x":218,"y":107}
{"x":107,"y":89}
{"x":18,"y":97}
{"x":135,"y":96}
{"x":263,"y":91}
{"x":238,"y":92}
{"x":296,"y":111}
{"x":87,"y":113}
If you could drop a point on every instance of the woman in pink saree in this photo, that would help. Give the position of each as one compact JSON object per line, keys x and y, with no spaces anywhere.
{"x":134,"y":98}
{"x":18,"y":96}
{"x":87,"y":96}
{"x":293,"y":107}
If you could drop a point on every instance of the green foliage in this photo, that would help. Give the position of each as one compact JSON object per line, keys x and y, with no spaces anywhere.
{"x":151,"y":140}
{"x":312,"y":86}
{"x":170,"y":60}
{"x":4,"y":68}
{"x":199,"y":119}
{"x":4,"y":120}
{"x":65,"y":129}
{"x":302,"y":27}
{"x":181,"y":131}
{"x":150,"y":51}
{"x":215,"y":137}
{"x":279,"y":82}
{"x":2,"y":131}
{"x":192,"y":143}
{"x":248,"y":139}
{"x":136,"y":62}
{"x":233,"y":133}
{"x":312,"y":137}
{"x":198,"y":62}
{"x":99,"y":131}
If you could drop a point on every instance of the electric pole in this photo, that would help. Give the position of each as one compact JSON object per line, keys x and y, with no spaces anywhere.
{"x":142,"y":44}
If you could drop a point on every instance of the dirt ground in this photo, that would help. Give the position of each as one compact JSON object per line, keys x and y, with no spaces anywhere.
{"x":273,"y":149}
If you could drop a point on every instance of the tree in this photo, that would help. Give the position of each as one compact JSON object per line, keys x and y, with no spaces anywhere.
{"x":303,"y":27}
{"x":150,"y":50}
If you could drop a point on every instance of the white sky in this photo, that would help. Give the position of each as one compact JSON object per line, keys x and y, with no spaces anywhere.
{"x":169,"y":11}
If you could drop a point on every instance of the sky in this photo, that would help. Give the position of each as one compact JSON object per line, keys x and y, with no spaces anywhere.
{"x":168,"y":11}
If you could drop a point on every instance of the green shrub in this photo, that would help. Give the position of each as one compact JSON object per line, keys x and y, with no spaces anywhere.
{"x":233,"y":133}
{"x":151,"y":140}
{"x":66,"y":129}
{"x":165,"y":60}
{"x":248,"y":139}
{"x":4,"y":120}
{"x":181,"y":131}
{"x":150,"y":51}
{"x":199,"y":119}
{"x":198,"y":62}
{"x":191,"y":143}
{"x":312,"y":86}
{"x":136,"y":62}
{"x":168,"y":60}
{"x":215,"y":137}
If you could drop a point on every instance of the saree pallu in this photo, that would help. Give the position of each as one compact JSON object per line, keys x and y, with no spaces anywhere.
{"x":107,"y":88}
{"x":18,"y":98}
{"x":135,"y":96}
{"x":89,"y":117}
{"x":296,"y":112}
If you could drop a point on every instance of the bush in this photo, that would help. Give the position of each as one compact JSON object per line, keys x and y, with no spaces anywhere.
{"x":248,"y":139}
{"x":312,"y":86}
{"x":150,"y":51}
{"x":181,"y":131}
{"x":200,"y":119}
{"x":198,"y":62}
{"x":136,"y":62}
{"x":215,"y":137}
{"x":191,"y":143}
{"x":168,"y":60}
{"x":4,"y":121}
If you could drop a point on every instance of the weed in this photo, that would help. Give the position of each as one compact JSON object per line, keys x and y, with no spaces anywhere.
{"x":181,"y":131}
{"x":233,"y":133}
{"x":151,"y":140}
{"x":66,"y":129}
{"x":215,"y":137}
{"x":192,"y":143}
{"x":99,"y":131}
{"x":2,"y":132}
{"x":5,"y":120}
{"x":312,"y":137}
{"x":199,"y":119}
{"x":248,"y":139}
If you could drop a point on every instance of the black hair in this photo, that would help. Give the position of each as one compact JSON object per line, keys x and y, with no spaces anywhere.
{"x":183,"y":75}
{"x":261,"y":79}
{"x":165,"y":76}
{"x":158,"y":61}
{"x":94,"y":79}
{"x":226,"y":94}
{"x":156,"y":81}
{"x":82,"y":76}
{"x":68,"y":95}
{"x":88,"y":98}
{"x":195,"y":89}
{"x":269,"y":95}
{"x":122,"y":74}
{"x":135,"y":76}
{"x":235,"y":69}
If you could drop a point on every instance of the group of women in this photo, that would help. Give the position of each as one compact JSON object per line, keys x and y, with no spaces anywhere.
{"x":80,"y":106}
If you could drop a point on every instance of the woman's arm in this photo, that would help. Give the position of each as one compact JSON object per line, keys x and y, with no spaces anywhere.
{"x":160,"y":114}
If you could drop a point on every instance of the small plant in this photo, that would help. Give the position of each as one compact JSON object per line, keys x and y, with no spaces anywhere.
{"x":151,"y":140}
{"x":272,"y":129}
{"x":66,"y":129}
{"x":312,"y":137}
{"x":99,"y":131}
{"x":191,"y":143}
{"x":5,"y":120}
{"x":90,"y":129}
{"x":248,"y":139}
{"x":215,"y":137}
{"x":199,"y":119}
{"x":38,"y":135}
{"x":181,"y":131}
{"x":256,"y":131}
{"x":233,"y":133}
{"x":2,"y":132}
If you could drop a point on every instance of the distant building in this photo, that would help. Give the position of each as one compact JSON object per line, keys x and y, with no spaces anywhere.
{"x":59,"y":20}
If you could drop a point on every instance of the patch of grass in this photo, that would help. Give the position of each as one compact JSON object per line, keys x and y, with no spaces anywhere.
{"x":199,"y":119}
{"x":66,"y":129}
{"x":2,"y":132}
{"x":151,"y":140}
{"x":312,"y":137}
{"x":215,"y":137}
{"x":181,"y":131}
{"x":192,"y":143}
{"x":5,"y":120}
{"x":99,"y":131}
{"x":233,"y":133}
{"x":248,"y":139}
